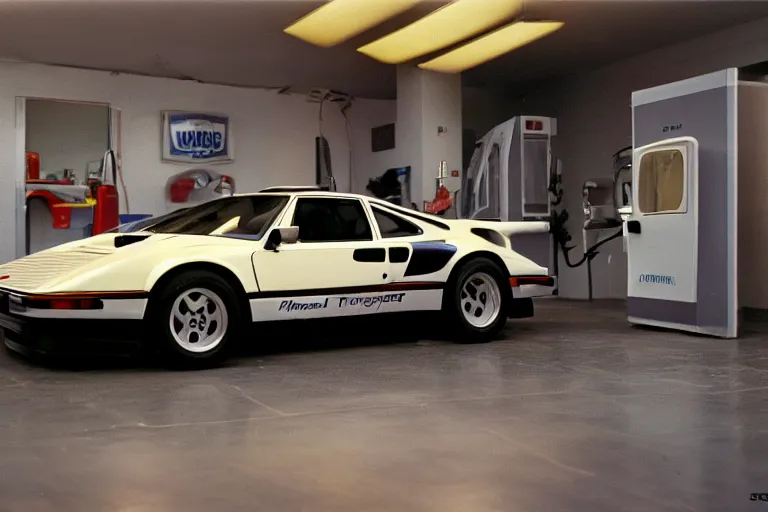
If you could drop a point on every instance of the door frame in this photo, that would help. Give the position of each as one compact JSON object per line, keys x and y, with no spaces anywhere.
{"x":497,"y":136}
{"x":481,"y":171}
{"x":114,"y":140}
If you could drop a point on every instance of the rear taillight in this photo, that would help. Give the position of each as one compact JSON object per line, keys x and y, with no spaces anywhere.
{"x":62,"y":303}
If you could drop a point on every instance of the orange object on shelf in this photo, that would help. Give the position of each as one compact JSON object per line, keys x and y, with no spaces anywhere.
{"x":33,"y":166}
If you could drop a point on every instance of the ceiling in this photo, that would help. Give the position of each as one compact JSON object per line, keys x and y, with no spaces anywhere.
{"x":240,"y":42}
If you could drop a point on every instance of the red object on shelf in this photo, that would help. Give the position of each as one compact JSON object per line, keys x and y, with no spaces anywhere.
{"x":50,"y":182}
{"x":180,"y":190}
{"x":227,"y":182}
{"x":93,"y":187}
{"x":33,"y":166}
{"x":62,"y":215}
{"x":441,"y":202}
{"x":106,"y":211}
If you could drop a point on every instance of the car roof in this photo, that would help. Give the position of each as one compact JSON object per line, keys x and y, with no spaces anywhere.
{"x":402,"y":210}
{"x":314,"y":193}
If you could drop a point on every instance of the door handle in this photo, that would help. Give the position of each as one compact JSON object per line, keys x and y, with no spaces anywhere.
{"x":399,"y":254}
{"x":372,"y":255}
{"x":633,"y":226}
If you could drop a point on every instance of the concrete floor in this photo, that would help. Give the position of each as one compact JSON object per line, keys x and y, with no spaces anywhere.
{"x":575,"y":411}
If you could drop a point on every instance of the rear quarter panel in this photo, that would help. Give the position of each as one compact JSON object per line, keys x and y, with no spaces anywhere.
{"x":463,"y":247}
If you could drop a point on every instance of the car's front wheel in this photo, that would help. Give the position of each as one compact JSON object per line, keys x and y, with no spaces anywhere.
{"x":476,"y":301}
{"x":195,"y":318}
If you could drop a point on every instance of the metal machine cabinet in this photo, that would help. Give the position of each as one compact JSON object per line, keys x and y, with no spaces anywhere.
{"x":508,"y":180}
{"x":695,"y":231}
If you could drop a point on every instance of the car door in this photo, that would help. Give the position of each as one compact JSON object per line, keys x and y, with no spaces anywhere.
{"x":402,"y":239}
{"x":336,"y":262}
{"x":397,"y":235}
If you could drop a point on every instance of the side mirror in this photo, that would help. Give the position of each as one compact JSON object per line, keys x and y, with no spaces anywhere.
{"x":278,"y":236}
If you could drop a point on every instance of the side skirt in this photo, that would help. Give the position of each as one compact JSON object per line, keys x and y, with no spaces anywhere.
{"x":334,"y":303}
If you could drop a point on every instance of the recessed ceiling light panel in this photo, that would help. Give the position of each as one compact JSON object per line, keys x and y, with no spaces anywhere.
{"x":339,"y":20}
{"x":491,"y":46}
{"x":444,"y":27}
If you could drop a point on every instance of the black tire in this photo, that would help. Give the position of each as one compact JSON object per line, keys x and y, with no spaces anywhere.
{"x":217,"y":294}
{"x":454,"y":303}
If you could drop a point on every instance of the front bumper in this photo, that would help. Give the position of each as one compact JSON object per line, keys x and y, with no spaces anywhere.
{"x":68,"y":337}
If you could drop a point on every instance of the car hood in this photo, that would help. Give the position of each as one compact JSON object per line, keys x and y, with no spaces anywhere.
{"x":41,"y":271}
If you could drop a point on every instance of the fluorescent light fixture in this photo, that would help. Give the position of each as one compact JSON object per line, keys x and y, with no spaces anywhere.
{"x":446,"y":26}
{"x":489,"y":47}
{"x":338,"y":20}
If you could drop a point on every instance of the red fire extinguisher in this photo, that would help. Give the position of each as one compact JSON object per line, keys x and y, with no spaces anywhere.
{"x":106,"y":211}
{"x":33,"y":166}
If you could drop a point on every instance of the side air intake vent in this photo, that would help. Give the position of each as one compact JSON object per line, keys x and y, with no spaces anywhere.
{"x":123,"y":240}
{"x":490,"y":235}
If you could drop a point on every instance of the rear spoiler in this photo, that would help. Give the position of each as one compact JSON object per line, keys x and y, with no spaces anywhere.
{"x":512,"y":228}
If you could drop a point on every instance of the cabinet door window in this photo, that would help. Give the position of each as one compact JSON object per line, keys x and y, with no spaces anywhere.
{"x":661,"y":178}
{"x":331,"y":220}
{"x":535,"y":176}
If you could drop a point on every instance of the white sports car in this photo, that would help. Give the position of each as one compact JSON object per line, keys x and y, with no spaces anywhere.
{"x":190,"y":280}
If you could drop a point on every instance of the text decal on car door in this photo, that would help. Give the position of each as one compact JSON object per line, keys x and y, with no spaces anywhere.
{"x":369,"y":302}
{"x":290,"y":305}
{"x":341,"y":302}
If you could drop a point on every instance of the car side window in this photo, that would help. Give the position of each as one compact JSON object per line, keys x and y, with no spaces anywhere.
{"x":393,"y":226}
{"x":328,"y":219}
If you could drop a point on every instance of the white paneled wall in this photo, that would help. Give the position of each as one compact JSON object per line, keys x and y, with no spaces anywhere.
{"x":273,"y":134}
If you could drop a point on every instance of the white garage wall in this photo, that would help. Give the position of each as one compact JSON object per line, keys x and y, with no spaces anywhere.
{"x":367,"y":164}
{"x":66,"y":135}
{"x":273,"y":134}
{"x":594,"y":121}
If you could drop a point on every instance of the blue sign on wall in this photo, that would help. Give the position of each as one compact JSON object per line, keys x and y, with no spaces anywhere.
{"x":194,"y":137}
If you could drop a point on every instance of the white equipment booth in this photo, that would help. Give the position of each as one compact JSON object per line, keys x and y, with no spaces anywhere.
{"x":696,"y":229}
{"x":508,"y":180}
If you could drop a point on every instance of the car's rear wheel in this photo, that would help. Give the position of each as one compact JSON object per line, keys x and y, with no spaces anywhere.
{"x":476,"y":301}
{"x":195,"y":317}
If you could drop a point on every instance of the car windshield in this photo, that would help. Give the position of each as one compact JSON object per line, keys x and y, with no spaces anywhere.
{"x":243,"y":216}
{"x":144,"y":224}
